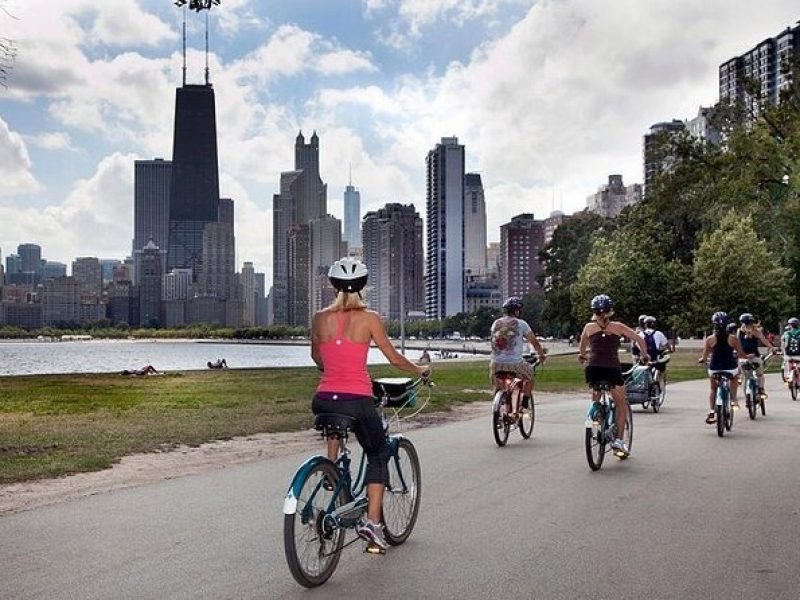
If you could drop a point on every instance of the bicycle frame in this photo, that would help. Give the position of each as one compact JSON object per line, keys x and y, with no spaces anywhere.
{"x":606,"y":402}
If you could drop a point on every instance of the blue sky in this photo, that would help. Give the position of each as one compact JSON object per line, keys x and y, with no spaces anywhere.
{"x":548,"y":96}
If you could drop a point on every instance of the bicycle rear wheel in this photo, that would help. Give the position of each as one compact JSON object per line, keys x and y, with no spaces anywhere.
{"x":763,"y":405}
{"x":311,"y":545}
{"x":527,"y":417}
{"x":628,"y":435}
{"x":500,"y":423}
{"x":793,"y":388}
{"x":402,"y":495}
{"x":595,"y":438}
{"x":720,"y":414}
{"x":657,"y":397}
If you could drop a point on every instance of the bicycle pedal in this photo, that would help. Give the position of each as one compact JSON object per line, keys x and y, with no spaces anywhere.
{"x":374,"y":549}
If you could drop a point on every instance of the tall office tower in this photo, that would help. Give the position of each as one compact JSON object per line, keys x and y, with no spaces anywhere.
{"x":86,"y":271}
{"x":392,"y":241}
{"x":298,"y":259}
{"x":303,"y":197}
{"x":2,"y":271}
{"x":444,"y":276}
{"x":219,"y":255}
{"x":262,"y":314}
{"x":767,"y":66}
{"x":177,"y":285}
{"x":521,"y":240}
{"x":13,"y":265}
{"x":61,"y":301}
{"x":493,"y":259}
{"x":151,"y":190}
{"x":352,"y":216}
{"x":326,"y":248}
{"x":150,"y":285}
{"x":52,"y":269}
{"x":474,"y":225}
{"x":194,"y":187}
{"x":31,"y":257}
{"x":283,"y":216}
{"x":248,"y":280}
{"x":123,"y":304}
{"x":658,"y":150}
{"x":611,"y":198}
{"x":107,"y":268}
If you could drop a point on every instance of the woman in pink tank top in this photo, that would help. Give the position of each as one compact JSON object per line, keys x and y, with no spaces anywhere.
{"x":340,"y":338}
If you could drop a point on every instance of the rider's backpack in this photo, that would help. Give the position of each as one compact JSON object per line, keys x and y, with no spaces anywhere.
{"x":650,"y":342}
{"x":792,"y":343}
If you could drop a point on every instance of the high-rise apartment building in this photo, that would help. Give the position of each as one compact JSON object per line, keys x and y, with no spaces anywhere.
{"x":194,"y":186}
{"x":326,"y":248}
{"x":249,"y":300}
{"x":177,"y":285}
{"x":658,"y":151}
{"x":474,"y":225}
{"x":701,"y":127}
{"x":150,"y":279}
{"x":444,"y":277}
{"x":217,"y":271}
{"x":30,"y":256}
{"x":761,"y":73}
{"x":52,"y":269}
{"x":352,"y":216}
{"x":611,"y":198}
{"x":86,"y":271}
{"x":151,"y":190}
{"x":392,"y":242}
{"x":521,"y":240}
{"x":61,"y":301}
{"x":298,"y":259}
{"x":262,"y":309}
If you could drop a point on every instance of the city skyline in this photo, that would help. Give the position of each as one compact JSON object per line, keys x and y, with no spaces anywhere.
{"x":85,"y":101}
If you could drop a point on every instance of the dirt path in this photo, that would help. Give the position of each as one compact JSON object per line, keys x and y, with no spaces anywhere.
{"x":139,"y":469}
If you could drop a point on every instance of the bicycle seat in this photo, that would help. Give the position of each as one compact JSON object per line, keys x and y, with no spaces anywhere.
{"x":334,"y":423}
{"x":602,"y":386}
{"x":723,"y":375}
{"x":505,"y":374}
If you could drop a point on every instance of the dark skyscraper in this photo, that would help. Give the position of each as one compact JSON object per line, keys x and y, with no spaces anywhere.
{"x":151,"y":202}
{"x":194,"y":190}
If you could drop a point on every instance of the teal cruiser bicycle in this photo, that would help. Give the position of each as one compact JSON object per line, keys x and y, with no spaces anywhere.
{"x":753,"y":400}
{"x":601,"y":426}
{"x":327,"y":502}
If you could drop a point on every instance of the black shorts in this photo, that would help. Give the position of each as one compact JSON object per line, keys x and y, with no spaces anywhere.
{"x":660,"y":366}
{"x":612,"y":375}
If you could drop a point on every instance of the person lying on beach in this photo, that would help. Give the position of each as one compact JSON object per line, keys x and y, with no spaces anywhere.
{"x":146,"y":370}
{"x":219,"y":364}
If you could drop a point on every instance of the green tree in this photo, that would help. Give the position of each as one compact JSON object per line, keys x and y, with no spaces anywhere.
{"x":735,"y":271}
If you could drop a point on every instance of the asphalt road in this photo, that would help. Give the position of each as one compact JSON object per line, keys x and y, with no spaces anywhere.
{"x":689,"y":515}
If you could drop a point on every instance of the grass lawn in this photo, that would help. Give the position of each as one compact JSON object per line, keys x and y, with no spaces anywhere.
{"x":54,"y":425}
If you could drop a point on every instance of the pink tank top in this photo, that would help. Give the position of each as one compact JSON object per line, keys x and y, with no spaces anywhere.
{"x":345,"y":364}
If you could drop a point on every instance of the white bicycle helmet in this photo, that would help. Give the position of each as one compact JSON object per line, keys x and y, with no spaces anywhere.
{"x":348,"y":275}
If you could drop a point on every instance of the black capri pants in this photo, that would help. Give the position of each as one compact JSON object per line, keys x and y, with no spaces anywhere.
{"x":369,"y":431}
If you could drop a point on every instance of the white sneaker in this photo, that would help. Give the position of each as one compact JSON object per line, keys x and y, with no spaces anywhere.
{"x":620,"y":448}
{"x":373,"y":534}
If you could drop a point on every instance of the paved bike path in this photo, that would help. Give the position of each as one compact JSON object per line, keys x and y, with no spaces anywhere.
{"x":689,"y":515}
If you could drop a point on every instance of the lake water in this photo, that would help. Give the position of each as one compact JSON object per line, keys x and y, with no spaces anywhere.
{"x":108,"y":356}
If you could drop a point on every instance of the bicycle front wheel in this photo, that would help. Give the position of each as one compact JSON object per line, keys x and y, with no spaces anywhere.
{"x":402,"y":495}
{"x":729,"y":417}
{"x":500,"y":422}
{"x":595,"y":439}
{"x":751,"y":400}
{"x":527,"y":417}
{"x":793,"y":388}
{"x":311,"y":544}
{"x":628,"y":436}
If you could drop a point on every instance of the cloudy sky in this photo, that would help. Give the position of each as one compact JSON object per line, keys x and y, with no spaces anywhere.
{"x":548,"y":96}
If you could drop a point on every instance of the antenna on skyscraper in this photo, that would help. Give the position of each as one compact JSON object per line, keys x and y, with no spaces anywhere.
{"x":184,"y":47}
{"x":206,"y":48}
{"x":350,"y":183}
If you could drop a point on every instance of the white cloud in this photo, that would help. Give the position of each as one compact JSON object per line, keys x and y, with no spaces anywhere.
{"x":96,"y":218}
{"x":52,"y":140}
{"x":15,"y":165}
{"x":235,"y":15}
{"x":291,"y":51}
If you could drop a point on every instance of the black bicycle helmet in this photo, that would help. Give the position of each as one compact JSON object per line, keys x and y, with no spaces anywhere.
{"x":513,"y":303}
{"x":348,"y":275}
{"x":746,"y":319}
{"x":720,"y":318}
{"x":731,"y":328}
{"x":602,"y":304}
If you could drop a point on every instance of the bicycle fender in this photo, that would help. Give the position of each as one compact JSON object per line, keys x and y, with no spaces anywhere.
{"x":290,"y":502}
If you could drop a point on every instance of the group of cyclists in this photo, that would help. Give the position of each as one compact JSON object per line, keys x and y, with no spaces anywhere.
{"x":342,"y":333}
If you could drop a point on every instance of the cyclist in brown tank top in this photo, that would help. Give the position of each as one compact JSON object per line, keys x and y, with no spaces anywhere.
{"x":601,"y":337}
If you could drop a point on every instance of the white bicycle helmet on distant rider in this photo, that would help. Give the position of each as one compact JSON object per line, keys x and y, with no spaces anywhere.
{"x":348,"y":275}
